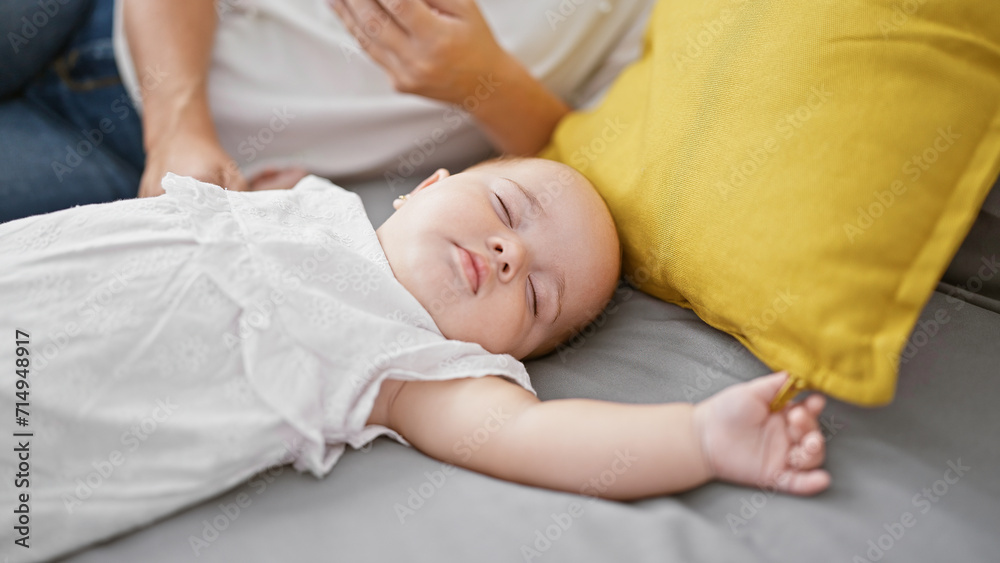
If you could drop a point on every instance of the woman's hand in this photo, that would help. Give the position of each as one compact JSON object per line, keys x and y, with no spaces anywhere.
{"x":175,"y":37}
{"x":745,"y":443}
{"x":444,"y":50}
{"x":439,"y":49}
{"x":188,"y":153}
{"x":272,"y":178}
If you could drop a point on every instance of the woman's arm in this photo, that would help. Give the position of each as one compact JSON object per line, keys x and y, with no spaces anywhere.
{"x":599,"y":448}
{"x":522,"y":114}
{"x":444,"y":50}
{"x":175,"y":38}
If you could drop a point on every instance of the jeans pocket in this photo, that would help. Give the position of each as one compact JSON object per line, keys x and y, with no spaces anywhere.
{"x":90,"y":66}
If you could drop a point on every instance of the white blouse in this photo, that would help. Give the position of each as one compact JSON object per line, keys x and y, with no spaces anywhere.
{"x":289,"y":85}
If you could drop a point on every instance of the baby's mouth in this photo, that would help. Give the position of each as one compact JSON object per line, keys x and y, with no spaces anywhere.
{"x":473,"y":267}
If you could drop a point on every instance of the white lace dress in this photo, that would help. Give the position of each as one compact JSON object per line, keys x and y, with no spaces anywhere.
{"x":180,"y":344}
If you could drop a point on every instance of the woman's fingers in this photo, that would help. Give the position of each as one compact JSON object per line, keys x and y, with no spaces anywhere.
{"x":232,"y":178}
{"x":379,"y":54}
{"x":433,"y":48}
{"x":412,"y":16}
{"x":453,"y":7}
{"x":370,"y":23}
{"x":374,"y":29}
{"x":277,"y":178}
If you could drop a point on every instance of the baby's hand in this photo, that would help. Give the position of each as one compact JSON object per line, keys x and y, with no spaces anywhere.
{"x":439,"y":49}
{"x":745,"y":443}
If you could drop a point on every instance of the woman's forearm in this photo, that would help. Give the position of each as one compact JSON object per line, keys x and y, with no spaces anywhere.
{"x":517,"y":112}
{"x":175,"y":38}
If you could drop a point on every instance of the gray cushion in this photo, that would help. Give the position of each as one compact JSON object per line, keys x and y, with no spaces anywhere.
{"x":974,"y":273}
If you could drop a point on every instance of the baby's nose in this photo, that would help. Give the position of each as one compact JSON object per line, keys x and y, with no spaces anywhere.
{"x":509,"y":256}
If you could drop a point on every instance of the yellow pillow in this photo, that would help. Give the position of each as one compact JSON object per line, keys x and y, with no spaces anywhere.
{"x":800,"y":174}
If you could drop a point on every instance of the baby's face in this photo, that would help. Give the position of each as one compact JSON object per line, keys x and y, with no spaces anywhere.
{"x":512,"y":255}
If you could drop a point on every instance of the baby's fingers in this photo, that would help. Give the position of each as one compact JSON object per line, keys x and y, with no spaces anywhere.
{"x":804,"y":482}
{"x":814,"y":404}
{"x":802,"y":417}
{"x":809,"y":453}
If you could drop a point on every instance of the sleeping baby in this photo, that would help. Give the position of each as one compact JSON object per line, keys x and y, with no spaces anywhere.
{"x":175,"y":346}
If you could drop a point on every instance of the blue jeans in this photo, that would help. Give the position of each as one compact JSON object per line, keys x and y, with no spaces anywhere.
{"x":69,"y":134}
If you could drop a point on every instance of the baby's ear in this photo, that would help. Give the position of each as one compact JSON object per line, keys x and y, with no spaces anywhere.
{"x":437,"y":176}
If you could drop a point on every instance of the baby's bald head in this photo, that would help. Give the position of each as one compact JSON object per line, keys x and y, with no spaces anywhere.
{"x":514,"y":254}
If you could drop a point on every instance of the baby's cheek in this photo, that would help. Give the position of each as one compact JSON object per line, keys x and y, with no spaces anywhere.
{"x":496,"y":326}
{"x":464,"y":323}
{"x":499,"y":331}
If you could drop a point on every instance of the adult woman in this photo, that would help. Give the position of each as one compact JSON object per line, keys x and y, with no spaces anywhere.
{"x":258,"y":86}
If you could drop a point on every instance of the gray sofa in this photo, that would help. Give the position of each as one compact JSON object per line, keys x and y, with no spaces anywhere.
{"x":918,"y":480}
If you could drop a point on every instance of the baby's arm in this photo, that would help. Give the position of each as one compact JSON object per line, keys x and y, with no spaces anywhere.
{"x":497,"y":428}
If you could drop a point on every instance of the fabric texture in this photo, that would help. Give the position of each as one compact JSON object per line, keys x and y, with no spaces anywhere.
{"x":182,"y":343}
{"x":800,"y":176}
{"x":290,"y":85}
